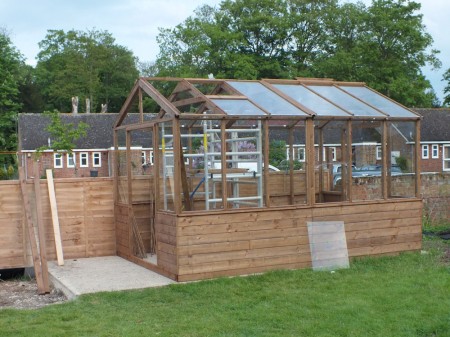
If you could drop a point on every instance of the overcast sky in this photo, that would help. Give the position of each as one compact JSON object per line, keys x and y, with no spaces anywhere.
{"x":134,"y":24}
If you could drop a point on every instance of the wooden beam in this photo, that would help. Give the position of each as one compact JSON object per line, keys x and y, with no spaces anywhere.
{"x":310,"y":163}
{"x":320,"y":165}
{"x":344,"y":175}
{"x":115,"y":166}
{"x":131,"y":243}
{"x":233,"y":97}
{"x":417,"y":158}
{"x":126,"y":106}
{"x":384,"y":154}
{"x":349,"y":161}
{"x":31,"y":233}
{"x":223,"y":160}
{"x":177,"y":165}
{"x":165,"y":104}
{"x":188,"y":101}
{"x":184,"y":181}
{"x":388,"y":160}
{"x":156,"y":165}
{"x":291,"y":167}
{"x":141,"y":107}
{"x":55,"y":219}
{"x":41,"y":227}
{"x":266,"y":151}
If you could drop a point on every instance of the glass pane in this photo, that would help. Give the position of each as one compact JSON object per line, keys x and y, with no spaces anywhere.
{"x":238,"y":107}
{"x":332,"y":169}
{"x":311,"y":100}
{"x":367,"y":158}
{"x":378,"y":101}
{"x":402,"y":158}
{"x":166,"y":166}
{"x":345,"y":101}
{"x":266,"y":98}
{"x":284,"y":188}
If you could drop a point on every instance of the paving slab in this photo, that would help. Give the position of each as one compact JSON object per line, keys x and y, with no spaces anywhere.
{"x":107,"y":273}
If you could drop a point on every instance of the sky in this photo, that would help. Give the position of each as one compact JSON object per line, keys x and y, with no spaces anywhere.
{"x":134,"y":24}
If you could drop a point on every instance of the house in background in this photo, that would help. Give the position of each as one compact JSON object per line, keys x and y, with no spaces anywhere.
{"x":435,"y":139}
{"x":92,"y":155}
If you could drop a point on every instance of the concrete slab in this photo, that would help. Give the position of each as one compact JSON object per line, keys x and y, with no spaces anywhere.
{"x":107,"y":273}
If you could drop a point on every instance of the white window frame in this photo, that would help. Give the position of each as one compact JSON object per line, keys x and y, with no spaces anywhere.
{"x":425,"y":151}
{"x":57,"y":157}
{"x":435,"y":151}
{"x":84,"y":157}
{"x":301,"y":150}
{"x":151,"y":157}
{"x":445,"y":159}
{"x":71,"y":159}
{"x":95,"y":156}
{"x":143,"y":158}
{"x":379,"y":153}
{"x":333,"y":152}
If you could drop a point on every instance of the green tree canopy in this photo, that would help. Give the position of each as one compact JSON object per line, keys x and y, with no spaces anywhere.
{"x":84,"y":64}
{"x":384,"y":44}
{"x":11,"y":63}
{"x":447,"y":88}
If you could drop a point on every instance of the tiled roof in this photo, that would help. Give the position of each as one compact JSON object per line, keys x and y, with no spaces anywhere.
{"x":33,"y":129}
{"x":435,"y":126}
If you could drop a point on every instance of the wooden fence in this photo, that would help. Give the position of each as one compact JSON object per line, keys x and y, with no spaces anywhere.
{"x":86,"y":217}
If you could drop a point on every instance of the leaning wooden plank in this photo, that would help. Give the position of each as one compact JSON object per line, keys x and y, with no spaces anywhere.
{"x":55,"y":220}
{"x":41,"y":227}
{"x":31,"y":234}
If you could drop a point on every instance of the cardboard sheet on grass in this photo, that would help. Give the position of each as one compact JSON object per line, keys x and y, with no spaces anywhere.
{"x":328,"y":245}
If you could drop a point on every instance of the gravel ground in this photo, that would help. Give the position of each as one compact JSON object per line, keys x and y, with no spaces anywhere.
{"x":22,"y":294}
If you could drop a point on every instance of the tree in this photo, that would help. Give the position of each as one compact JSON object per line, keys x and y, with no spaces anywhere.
{"x":384,"y":44}
{"x":11,"y":62}
{"x":447,"y":88}
{"x":84,"y":64}
{"x":277,"y":152}
{"x":63,"y":135}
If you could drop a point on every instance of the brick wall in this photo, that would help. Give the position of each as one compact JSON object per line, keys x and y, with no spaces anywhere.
{"x":435,"y":192}
{"x":46,"y":162}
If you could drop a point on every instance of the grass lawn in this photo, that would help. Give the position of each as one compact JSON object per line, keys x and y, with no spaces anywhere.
{"x":406,"y":295}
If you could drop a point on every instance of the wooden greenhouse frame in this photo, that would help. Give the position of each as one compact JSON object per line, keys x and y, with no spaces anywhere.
{"x":241,"y":222}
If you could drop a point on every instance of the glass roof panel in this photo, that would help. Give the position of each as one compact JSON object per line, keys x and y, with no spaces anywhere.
{"x":238,"y":107}
{"x":378,"y":101}
{"x":267,"y":99}
{"x":310,"y":100}
{"x":346,"y":101}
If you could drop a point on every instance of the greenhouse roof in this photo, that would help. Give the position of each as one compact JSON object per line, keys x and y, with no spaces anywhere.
{"x":302,"y":98}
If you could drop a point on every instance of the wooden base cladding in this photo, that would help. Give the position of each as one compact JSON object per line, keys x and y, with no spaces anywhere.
{"x":197,"y":246}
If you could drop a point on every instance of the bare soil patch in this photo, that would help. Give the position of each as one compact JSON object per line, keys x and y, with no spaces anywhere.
{"x":23,"y":294}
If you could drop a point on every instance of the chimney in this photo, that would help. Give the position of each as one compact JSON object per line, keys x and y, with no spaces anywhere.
{"x":75,"y":105}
